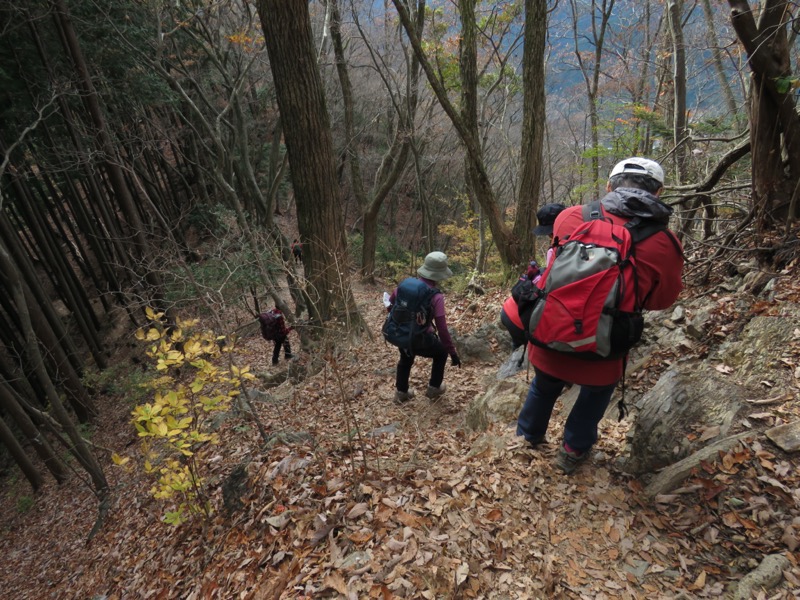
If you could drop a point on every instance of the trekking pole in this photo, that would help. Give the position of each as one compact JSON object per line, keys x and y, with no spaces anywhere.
{"x":528,"y":372}
{"x":623,"y":410}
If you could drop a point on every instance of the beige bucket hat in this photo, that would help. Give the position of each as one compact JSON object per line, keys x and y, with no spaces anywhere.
{"x":435,"y":267}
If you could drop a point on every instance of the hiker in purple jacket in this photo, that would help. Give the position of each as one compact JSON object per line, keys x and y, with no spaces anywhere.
{"x":437,"y":343}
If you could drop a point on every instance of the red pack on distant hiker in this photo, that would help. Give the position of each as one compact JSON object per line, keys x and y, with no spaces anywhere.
{"x":273,"y":325}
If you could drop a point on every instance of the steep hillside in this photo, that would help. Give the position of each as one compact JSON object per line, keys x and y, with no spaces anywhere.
{"x":356,"y":497}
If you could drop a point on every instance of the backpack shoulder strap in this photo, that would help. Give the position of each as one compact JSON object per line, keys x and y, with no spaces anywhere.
{"x":589,"y":212}
{"x":592,"y":211}
{"x":429,"y":294}
{"x":641,"y":229}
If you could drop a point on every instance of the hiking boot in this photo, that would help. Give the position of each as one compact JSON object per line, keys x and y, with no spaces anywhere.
{"x":403,"y":397}
{"x":536,"y":441}
{"x":568,"y":460}
{"x":274,"y":361}
{"x":434,"y":392}
{"x":289,"y":356}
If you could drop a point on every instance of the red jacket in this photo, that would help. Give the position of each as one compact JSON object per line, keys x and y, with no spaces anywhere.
{"x":659,"y":269}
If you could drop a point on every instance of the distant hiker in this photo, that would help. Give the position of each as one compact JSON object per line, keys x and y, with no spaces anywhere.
{"x":509,"y":314}
{"x":632,"y":201}
{"x":416,"y":316}
{"x":297,"y":251}
{"x":274,"y":329}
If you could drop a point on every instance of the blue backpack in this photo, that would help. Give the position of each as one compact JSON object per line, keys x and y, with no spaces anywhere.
{"x":411,"y":314}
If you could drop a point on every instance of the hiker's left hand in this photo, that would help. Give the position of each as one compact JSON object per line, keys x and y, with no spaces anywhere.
{"x":454,"y":360}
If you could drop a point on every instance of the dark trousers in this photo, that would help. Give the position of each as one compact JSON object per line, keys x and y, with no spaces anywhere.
{"x":430,"y":348}
{"x":580,"y":430}
{"x":281,"y":342}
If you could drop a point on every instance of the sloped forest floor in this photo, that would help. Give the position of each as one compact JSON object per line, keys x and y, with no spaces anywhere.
{"x":355,"y":497}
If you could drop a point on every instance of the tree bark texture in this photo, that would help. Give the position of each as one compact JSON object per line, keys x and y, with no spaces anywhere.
{"x":533,"y":123}
{"x":35,"y":438}
{"x":309,"y":143}
{"x":79,"y":448}
{"x":718,"y":59}
{"x":25,"y":464}
{"x":110,"y":160}
{"x":774,"y":121}
{"x":679,"y":132}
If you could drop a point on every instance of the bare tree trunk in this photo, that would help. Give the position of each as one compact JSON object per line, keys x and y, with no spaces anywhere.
{"x":719,"y":67}
{"x":600,"y":16}
{"x":25,"y":464}
{"x":35,"y":438}
{"x":110,"y":156}
{"x":309,"y":142}
{"x":680,"y":136}
{"x":403,"y":109}
{"x":533,"y":124}
{"x":79,"y":448}
{"x":504,"y":239}
{"x":774,"y":122}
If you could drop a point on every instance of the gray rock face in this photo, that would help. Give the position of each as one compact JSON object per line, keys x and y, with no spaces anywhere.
{"x":515,"y":363}
{"x":482,"y":344}
{"x":756,"y":354}
{"x":500,"y":404}
{"x":695,"y":405}
{"x":684,"y":400}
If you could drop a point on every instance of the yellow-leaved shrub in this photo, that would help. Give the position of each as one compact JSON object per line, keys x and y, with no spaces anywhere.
{"x":175,"y":425}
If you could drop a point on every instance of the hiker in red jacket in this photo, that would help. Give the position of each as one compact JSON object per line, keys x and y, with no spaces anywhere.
{"x":633,"y":189}
{"x":274,"y":329}
{"x":297,"y":251}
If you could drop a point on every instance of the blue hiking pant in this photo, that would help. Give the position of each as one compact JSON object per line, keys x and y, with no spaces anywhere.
{"x":580,"y":430}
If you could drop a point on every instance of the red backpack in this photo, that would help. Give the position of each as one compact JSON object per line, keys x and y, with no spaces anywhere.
{"x":587,"y":302}
{"x":273,"y":325}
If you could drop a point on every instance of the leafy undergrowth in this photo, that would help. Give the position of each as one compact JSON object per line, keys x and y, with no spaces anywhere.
{"x":356,"y":497}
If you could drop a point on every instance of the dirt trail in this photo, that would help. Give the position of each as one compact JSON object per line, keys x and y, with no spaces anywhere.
{"x":377,"y":501}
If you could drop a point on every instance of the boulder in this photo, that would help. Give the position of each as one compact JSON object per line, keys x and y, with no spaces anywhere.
{"x":786,"y":436}
{"x":762,"y":351}
{"x":487,"y":344}
{"x":499,"y":404}
{"x":688,"y":407}
{"x":515,"y":363}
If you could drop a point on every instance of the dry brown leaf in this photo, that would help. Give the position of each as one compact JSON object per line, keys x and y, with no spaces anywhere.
{"x":462,"y":572}
{"x":360,"y":537}
{"x":336,"y":582}
{"x":407,"y":519}
{"x":700,"y":582}
{"x":358,"y":510}
{"x":494,"y":515}
{"x":709,"y":433}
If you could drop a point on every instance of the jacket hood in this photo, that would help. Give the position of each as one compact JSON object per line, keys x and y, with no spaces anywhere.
{"x":632,"y":202}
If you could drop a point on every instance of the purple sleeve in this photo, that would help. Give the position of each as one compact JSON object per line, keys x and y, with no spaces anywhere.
{"x":437,"y":306}
{"x":548,"y":259}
